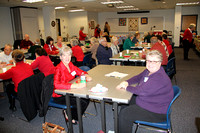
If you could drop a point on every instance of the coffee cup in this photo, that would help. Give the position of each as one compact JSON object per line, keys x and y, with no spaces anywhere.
{"x":4,"y":69}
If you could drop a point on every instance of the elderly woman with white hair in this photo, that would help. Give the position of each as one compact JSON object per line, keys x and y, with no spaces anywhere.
{"x":77,"y":52}
{"x":151,"y":95}
{"x":64,"y":73}
{"x":114,"y":45}
{"x":128,"y":42}
{"x":82,"y":35}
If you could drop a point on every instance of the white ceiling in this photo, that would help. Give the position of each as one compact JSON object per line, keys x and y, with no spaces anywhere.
{"x":96,"y":6}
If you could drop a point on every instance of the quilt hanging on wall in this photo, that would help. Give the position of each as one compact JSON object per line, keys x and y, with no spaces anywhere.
{"x":133,"y":24}
{"x":122,"y":21}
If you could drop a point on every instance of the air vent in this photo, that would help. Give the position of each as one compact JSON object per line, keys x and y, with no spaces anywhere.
{"x":129,"y":12}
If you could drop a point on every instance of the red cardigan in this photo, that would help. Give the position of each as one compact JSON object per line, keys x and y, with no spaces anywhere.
{"x":18,"y":73}
{"x":52,"y":50}
{"x":78,"y":53}
{"x":44,"y":64}
{"x":169,"y":47}
{"x":82,"y":36}
{"x":187,"y":35}
{"x":160,"y":48}
{"x":62,"y":76}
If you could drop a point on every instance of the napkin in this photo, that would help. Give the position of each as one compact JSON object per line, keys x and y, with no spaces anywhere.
{"x":98,"y":89}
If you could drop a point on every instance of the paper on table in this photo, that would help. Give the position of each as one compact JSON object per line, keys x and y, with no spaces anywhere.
{"x":116,"y":75}
{"x":99,"y":89}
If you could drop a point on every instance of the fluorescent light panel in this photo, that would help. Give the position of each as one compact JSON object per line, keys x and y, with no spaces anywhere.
{"x":124,"y":6}
{"x":77,"y":10}
{"x":112,"y":2}
{"x":59,"y":7}
{"x":191,"y":3}
{"x":131,"y":9}
{"x":32,"y":1}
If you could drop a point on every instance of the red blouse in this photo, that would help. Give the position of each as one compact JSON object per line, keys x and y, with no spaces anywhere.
{"x":44,"y":64}
{"x":18,"y":73}
{"x":82,"y":36}
{"x":50,"y":49}
{"x":62,"y":76}
{"x":78,"y":53}
{"x":187,"y":35}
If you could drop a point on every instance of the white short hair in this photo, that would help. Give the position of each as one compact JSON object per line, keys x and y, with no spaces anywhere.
{"x":114,"y":38}
{"x":65,"y":49}
{"x":102,"y":39}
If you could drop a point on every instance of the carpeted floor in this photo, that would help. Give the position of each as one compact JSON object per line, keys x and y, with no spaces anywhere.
{"x":184,"y":111}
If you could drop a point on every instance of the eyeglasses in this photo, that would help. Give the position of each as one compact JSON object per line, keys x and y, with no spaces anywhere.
{"x":153,"y":62}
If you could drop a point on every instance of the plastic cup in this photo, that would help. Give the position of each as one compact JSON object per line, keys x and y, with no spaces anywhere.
{"x":127,"y":51}
{"x":120,"y":54}
{"x":4,"y":69}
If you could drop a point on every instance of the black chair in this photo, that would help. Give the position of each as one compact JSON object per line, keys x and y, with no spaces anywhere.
{"x":17,"y":44}
{"x":42,"y":42}
{"x":88,"y":61}
{"x":171,"y":68}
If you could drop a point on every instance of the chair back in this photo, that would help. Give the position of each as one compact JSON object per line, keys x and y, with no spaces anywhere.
{"x":16,"y":44}
{"x":87,"y":60}
{"x":171,"y":67}
{"x":177,"y":92}
{"x":84,"y":68}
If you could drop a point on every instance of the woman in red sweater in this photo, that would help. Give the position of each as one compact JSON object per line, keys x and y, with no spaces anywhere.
{"x":49,"y":47}
{"x":18,"y":73}
{"x":64,"y":73}
{"x":77,"y":52}
{"x":43,"y":62}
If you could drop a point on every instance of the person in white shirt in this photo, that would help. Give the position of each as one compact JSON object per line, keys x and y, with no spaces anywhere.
{"x":114,"y":45}
{"x":6,"y":56}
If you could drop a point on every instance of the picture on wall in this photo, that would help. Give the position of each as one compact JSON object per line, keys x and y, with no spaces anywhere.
{"x":92,"y":24}
{"x":133,"y":24}
{"x":144,"y":20}
{"x":122,"y":21}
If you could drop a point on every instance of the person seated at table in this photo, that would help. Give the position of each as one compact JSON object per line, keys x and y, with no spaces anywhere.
{"x":17,"y":74}
{"x":114,"y":45}
{"x":77,"y":52}
{"x":105,"y":34}
{"x":64,"y":73}
{"x":128,"y":42}
{"x":135,"y":39}
{"x":26,"y":43}
{"x":6,"y":55}
{"x":59,"y":44}
{"x":97,"y":31}
{"x":49,"y":47}
{"x":157,"y":46}
{"x":165,"y":40}
{"x":159,"y":37}
{"x":43,"y":62}
{"x":148,"y":37}
{"x":94,"y":44}
{"x":82,"y":35}
{"x":151,"y":95}
{"x":104,"y":52}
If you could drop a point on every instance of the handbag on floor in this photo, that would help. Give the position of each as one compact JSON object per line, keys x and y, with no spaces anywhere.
{"x":52,"y":128}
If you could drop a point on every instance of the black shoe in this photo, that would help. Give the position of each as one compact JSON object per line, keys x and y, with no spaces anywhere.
{"x":13,"y":108}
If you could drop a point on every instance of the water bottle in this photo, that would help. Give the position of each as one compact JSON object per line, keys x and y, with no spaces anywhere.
{"x":83,"y":79}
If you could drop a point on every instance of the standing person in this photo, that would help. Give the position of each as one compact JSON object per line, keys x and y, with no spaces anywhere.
{"x":26,"y":43}
{"x":65,"y":71}
{"x":6,"y":55}
{"x":128,"y":42}
{"x":77,"y":52}
{"x":17,"y":73}
{"x":151,"y":96}
{"x":82,"y":35}
{"x":104,"y":52}
{"x":97,"y":31}
{"x":114,"y":45}
{"x":107,"y":28}
{"x":43,"y":62}
{"x":187,"y":40}
{"x":59,"y":44}
{"x":49,"y":47}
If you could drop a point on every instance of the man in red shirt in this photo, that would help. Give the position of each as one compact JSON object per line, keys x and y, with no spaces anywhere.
{"x":187,"y":40}
{"x":26,"y":43}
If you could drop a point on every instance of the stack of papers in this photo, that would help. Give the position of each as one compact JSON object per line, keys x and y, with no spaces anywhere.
{"x":116,"y":75}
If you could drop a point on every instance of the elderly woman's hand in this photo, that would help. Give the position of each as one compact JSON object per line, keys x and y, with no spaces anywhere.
{"x":88,"y":78}
{"x":122,"y":85}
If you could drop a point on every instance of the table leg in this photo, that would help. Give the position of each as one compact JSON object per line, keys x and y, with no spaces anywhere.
{"x":79,"y":115}
{"x":103,"y":116}
{"x":67,"y":99}
{"x":115,"y":117}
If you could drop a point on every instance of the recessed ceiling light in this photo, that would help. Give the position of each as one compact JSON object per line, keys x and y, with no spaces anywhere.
{"x":45,"y":2}
{"x":190,"y":3}
{"x":66,"y":5}
{"x":32,"y":1}
{"x":163,"y":2}
{"x":124,"y":6}
{"x":112,"y":2}
{"x":77,"y":10}
{"x":59,"y":7}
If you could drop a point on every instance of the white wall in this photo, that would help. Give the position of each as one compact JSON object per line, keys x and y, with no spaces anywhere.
{"x":6,"y":33}
{"x":41,"y":24}
{"x":29,"y":21}
{"x":76,"y":20}
{"x":92,"y":16}
{"x":167,"y":24}
{"x":195,"y":10}
{"x":64,"y":22}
